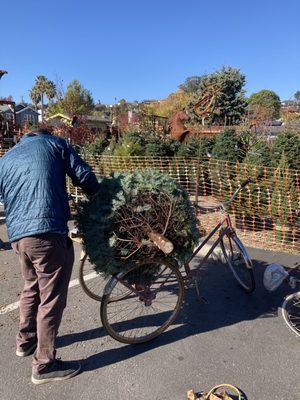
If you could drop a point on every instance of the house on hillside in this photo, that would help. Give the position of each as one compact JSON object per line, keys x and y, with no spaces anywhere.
{"x":100,"y":122}
{"x":7,"y":113}
{"x":19,"y":115}
{"x":59,"y":119}
{"x":97,"y":122}
{"x":26,"y":115}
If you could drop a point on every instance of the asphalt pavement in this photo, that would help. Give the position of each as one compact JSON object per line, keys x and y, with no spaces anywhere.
{"x":231,"y":337}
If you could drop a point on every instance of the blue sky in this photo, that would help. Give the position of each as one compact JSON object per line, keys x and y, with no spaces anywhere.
{"x":145,"y":49}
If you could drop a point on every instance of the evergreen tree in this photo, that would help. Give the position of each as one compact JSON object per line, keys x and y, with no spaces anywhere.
{"x":116,"y":225}
{"x":228,"y":147}
{"x":259,"y":153}
{"x":230,"y":103}
{"x":297,"y":96}
{"x":289,"y":144}
{"x":77,"y":100}
{"x":284,"y":202}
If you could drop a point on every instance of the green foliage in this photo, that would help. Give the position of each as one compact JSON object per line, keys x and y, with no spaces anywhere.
{"x":254,"y":198}
{"x":137,"y":137}
{"x":121,"y":107}
{"x":191,"y":84}
{"x":230,"y":101}
{"x":127,"y":147}
{"x":297,"y":96}
{"x":228,"y":147}
{"x":259,"y":153}
{"x":161,"y":148}
{"x":97,"y":146}
{"x":284,"y":202}
{"x":266,"y":100}
{"x":109,"y":150}
{"x":55,"y":108}
{"x":106,"y":232}
{"x":42,"y":88}
{"x":191,"y":148}
{"x":77,"y":100}
{"x":289,"y":144}
{"x":143,"y":144}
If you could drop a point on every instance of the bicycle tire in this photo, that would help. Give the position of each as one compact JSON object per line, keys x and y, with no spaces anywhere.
{"x":235,"y":253}
{"x":106,"y":303}
{"x":93,"y":284}
{"x":290,"y":311}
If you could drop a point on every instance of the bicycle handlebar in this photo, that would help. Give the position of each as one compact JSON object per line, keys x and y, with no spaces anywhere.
{"x":240,"y":187}
{"x":225,"y":204}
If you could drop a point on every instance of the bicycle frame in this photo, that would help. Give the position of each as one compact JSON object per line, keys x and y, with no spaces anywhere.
{"x":142,"y":291}
{"x":224,"y":227}
{"x":223,"y":230}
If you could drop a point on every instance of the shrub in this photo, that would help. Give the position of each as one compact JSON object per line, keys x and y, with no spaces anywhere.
{"x":159,"y":147}
{"x":284,"y":202}
{"x":259,"y":154}
{"x":228,"y":147}
{"x":137,"y":137}
{"x":289,"y":144}
{"x":97,"y":146}
{"x":131,"y":144}
{"x":191,"y":148}
{"x":127,"y":148}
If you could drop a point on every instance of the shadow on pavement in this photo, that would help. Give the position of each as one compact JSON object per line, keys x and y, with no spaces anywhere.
{"x":227,"y":305}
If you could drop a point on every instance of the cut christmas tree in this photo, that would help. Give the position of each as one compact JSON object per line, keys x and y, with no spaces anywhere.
{"x":135,"y":217}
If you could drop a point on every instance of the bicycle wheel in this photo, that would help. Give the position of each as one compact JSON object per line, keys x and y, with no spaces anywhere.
{"x":151,"y":307}
{"x":238,"y":261}
{"x":291,"y":312}
{"x":91,"y":282}
{"x":94,"y":283}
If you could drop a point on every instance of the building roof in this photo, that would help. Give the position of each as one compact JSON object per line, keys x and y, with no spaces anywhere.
{"x":5,"y":107}
{"x":26,"y":108}
{"x":20,"y":107}
{"x":59,"y":116}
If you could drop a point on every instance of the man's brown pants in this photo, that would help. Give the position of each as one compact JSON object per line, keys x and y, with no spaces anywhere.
{"x":46,"y":263}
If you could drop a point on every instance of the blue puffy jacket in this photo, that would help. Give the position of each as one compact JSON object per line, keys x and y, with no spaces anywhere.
{"x":33,"y":184}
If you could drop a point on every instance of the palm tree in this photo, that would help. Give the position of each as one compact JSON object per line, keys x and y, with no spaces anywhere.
{"x":42,"y":88}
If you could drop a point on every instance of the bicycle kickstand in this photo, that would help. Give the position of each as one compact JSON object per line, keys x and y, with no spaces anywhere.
{"x":194,"y":283}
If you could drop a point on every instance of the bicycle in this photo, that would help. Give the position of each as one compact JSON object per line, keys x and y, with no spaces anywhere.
{"x":274,"y":275}
{"x":290,"y":311}
{"x":151,"y":305}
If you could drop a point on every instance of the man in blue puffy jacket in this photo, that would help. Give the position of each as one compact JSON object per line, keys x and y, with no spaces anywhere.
{"x":33,"y":190}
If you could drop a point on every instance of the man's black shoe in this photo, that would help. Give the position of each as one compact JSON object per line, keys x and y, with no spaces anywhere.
{"x":26,"y":350}
{"x":56,"y":371}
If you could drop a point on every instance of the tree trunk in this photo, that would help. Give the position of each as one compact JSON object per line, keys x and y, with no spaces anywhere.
{"x":42,"y":107}
{"x":161,"y":242}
